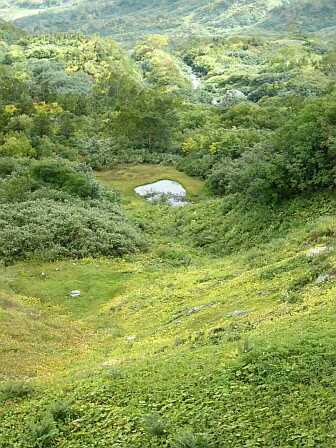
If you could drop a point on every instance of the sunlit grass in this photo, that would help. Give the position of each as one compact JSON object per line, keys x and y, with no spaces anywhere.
{"x":201,"y":343}
{"x":126,"y":179}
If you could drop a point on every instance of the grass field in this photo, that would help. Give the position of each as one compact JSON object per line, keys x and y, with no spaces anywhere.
{"x":173,"y":347}
{"x":126,"y":178}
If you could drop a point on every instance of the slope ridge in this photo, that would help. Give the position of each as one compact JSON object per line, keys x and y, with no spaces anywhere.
{"x":129,"y":21}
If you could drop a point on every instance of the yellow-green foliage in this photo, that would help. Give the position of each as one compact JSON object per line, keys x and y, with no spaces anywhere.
{"x":159,"y":66}
{"x":235,"y":350}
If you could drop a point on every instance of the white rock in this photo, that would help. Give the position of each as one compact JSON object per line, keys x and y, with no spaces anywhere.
{"x":230,"y":98}
{"x":131,"y":339}
{"x":323,"y":278}
{"x":75,"y":293}
{"x":316,"y":251}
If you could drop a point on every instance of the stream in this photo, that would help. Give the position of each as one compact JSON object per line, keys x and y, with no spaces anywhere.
{"x":195,"y":81}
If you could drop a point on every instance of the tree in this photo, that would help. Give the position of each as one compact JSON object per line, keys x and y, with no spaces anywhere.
{"x":17,"y":145}
{"x":149,"y":120}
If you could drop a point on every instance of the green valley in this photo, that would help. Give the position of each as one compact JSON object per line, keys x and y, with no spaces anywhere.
{"x":176,"y":344}
{"x":200,"y":315}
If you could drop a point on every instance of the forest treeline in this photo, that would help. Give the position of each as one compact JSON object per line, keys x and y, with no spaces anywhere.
{"x":129,"y":21}
{"x":260,"y":128}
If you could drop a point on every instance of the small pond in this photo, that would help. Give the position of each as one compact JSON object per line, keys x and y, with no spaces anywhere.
{"x":168,"y":191}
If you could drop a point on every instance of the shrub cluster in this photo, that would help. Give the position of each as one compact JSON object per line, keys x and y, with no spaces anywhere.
{"x":53,"y":209}
{"x":298,"y":158}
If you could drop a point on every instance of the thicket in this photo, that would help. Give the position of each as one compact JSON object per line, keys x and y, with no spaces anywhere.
{"x":69,"y":104}
{"x":52,"y":209}
{"x":272,"y":134}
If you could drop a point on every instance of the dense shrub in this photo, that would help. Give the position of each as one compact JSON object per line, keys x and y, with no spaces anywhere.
{"x":174,"y":257}
{"x":299,"y":157}
{"x":7,"y":166}
{"x":17,"y":145}
{"x":50,"y":230}
{"x":104,"y":153}
{"x":54,"y":209}
{"x":62,"y":176}
{"x":155,"y":425}
{"x":24,"y":179}
{"x":61,"y":411}
{"x":43,"y":433}
{"x":189,"y":440}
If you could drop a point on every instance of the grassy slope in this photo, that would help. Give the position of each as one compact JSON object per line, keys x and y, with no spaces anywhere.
{"x":262,"y":379}
{"x":13,"y":10}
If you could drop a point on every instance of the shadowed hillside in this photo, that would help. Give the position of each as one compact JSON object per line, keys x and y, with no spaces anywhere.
{"x":129,"y":21}
{"x":9,"y":33}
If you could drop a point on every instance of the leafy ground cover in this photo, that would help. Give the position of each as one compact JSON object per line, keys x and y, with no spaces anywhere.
{"x":175,"y":347}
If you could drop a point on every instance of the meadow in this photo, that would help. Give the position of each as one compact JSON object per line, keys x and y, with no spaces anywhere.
{"x":131,"y":324}
{"x":174,"y":347}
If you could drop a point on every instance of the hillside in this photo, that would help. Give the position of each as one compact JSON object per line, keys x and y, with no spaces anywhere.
{"x":130,"y":21}
{"x":176,"y":347}
{"x":201,"y":319}
{"x":10,"y":33}
{"x":305,"y":15}
{"x":15,"y":9}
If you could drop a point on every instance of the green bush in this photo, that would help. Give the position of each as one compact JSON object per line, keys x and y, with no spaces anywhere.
{"x":51,"y":230}
{"x":105,"y":153}
{"x":114,"y":373}
{"x":12,"y":391}
{"x":174,"y":257}
{"x":43,"y":432}
{"x":7,"y":166}
{"x":324,"y":229}
{"x":155,"y":425}
{"x":197,"y":164}
{"x":55,"y":209}
{"x":298,"y":158}
{"x":62,"y":176}
{"x":17,"y":145}
{"x":189,"y":440}
{"x":61,"y":411}
{"x":23,"y":179}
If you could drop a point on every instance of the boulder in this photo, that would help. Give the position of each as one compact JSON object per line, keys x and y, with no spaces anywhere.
{"x":230,"y":98}
{"x":75,"y":293}
{"x":316,"y":251}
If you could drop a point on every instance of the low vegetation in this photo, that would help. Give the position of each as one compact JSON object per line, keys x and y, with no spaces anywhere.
{"x":240,"y":341}
{"x":130,"y":324}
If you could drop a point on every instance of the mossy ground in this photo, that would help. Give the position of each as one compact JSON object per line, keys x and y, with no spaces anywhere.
{"x":239,"y":348}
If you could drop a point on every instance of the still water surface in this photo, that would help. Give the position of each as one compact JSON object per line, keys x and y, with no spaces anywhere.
{"x":168,"y":190}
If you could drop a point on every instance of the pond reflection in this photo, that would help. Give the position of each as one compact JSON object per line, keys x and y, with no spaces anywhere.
{"x":167,"y":191}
